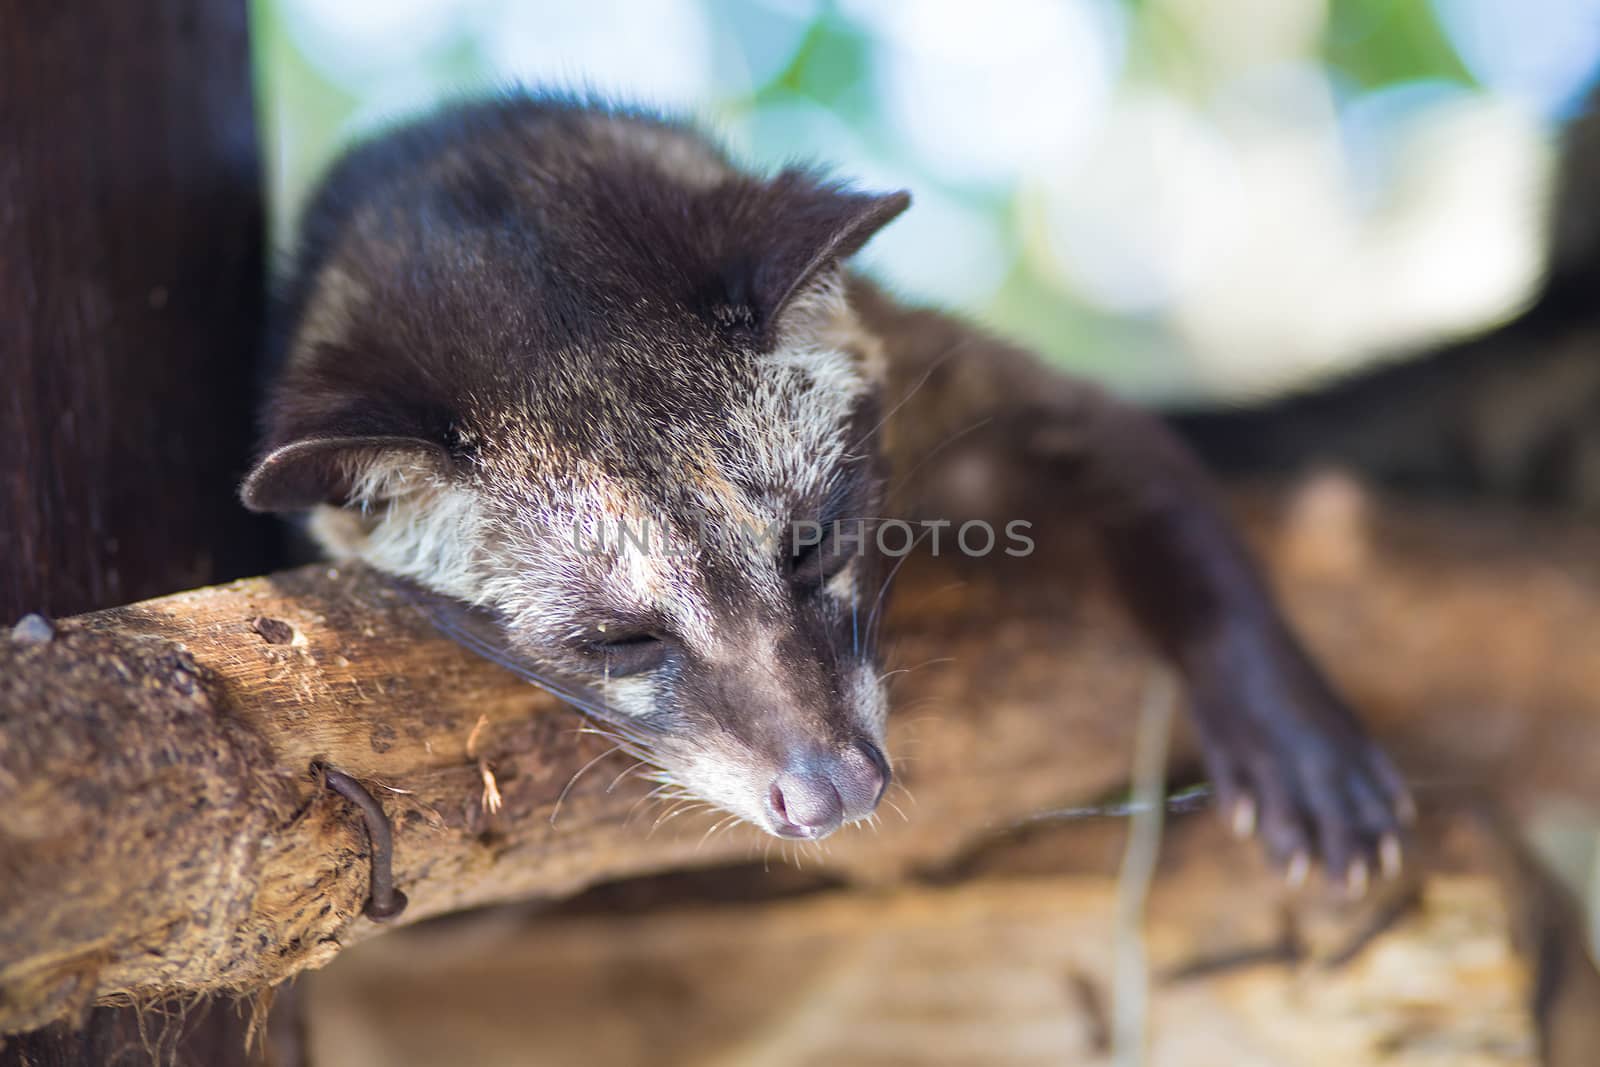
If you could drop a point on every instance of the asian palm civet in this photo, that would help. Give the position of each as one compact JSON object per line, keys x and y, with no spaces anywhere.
{"x":523,"y":321}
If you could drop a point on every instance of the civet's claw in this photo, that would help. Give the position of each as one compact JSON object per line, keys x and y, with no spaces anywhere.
{"x":1299,"y":869}
{"x":1389,"y":856}
{"x":1356,"y":880}
{"x":1244,"y":817}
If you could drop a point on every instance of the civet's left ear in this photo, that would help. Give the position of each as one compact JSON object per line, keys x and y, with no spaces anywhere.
{"x":804,"y":227}
{"x":344,"y":471}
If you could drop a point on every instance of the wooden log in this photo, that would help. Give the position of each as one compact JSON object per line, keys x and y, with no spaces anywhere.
{"x":1002,"y":967}
{"x":162,"y":831}
{"x":131,"y":291}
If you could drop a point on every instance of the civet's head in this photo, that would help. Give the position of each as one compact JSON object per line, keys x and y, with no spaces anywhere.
{"x":569,"y":367}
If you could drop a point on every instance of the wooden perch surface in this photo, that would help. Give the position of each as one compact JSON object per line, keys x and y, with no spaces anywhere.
{"x":162,"y":831}
{"x":1013,"y":965}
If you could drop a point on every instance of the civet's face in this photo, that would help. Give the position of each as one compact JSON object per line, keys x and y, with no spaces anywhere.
{"x":573,"y":370}
{"x":688,"y":554}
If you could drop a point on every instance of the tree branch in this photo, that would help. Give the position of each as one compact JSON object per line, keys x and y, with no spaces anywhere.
{"x":162,"y":831}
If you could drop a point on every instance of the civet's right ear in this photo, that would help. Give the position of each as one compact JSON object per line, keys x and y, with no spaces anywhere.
{"x":342,"y":471}
{"x":811,"y":227}
{"x":782,"y":235}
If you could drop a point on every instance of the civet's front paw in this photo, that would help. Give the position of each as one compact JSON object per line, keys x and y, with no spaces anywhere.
{"x":1292,"y":765}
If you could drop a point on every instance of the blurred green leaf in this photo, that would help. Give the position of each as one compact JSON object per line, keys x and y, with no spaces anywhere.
{"x":1380,"y":42}
{"x":833,"y":67}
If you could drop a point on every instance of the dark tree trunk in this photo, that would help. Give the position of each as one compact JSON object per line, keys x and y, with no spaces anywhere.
{"x":130,"y":298}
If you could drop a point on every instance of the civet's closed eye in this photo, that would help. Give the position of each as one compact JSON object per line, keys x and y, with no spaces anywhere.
{"x":816,"y":551}
{"x":818,"y":555}
{"x":626,"y":652}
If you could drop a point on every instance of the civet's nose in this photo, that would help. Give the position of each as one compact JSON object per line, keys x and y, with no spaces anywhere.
{"x":818,"y":794}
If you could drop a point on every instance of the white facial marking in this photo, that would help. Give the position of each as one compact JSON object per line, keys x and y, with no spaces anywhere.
{"x":869,"y":698}
{"x":634,"y":695}
{"x":842,"y":586}
{"x":410,"y":521}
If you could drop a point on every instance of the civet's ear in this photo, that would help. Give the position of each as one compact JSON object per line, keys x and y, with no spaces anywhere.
{"x":807,"y":227}
{"x":342,"y":471}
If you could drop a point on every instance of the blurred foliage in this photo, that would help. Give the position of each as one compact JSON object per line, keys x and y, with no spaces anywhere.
{"x":1384,"y":42}
{"x":1106,"y":180}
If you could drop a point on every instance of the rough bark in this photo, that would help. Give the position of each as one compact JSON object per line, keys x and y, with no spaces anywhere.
{"x":131,"y":288}
{"x":162,"y":830}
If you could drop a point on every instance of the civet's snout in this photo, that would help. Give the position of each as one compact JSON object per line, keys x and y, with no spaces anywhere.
{"x":817,"y":794}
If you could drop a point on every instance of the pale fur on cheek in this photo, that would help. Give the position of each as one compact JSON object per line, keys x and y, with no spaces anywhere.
{"x":633,"y":696}
{"x":430,"y":533}
{"x":869,"y":699}
{"x":724,"y":780}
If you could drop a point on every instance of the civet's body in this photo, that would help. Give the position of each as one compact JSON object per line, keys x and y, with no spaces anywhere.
{"x":521,"y":326}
